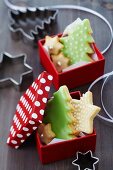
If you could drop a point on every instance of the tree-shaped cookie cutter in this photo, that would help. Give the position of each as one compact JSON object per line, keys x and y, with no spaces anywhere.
{"x":32,"y":24}
{"x":15,"y":71}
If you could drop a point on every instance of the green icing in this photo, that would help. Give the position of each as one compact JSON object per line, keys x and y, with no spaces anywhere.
{"x":57,"y":113}
{"x":77,"y":44}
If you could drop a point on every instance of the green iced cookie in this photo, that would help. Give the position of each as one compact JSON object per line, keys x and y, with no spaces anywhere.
{"x":59,"y":113}
{"x":77,"y":45}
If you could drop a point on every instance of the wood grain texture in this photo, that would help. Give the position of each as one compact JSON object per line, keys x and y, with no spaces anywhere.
{"x":26,"y":158}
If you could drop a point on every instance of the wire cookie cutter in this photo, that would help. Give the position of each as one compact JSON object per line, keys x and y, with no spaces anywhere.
{"x":32,"y":24}
{"x":106,"y":76}
{"x":22,"y":8}
{"x":15,"y":71}
{"x":85,"y":161}
{"x":14,"y":7}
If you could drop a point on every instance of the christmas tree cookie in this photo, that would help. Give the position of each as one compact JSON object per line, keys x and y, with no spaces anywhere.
{"x":77,"y":45}
{"x":59,"y":113}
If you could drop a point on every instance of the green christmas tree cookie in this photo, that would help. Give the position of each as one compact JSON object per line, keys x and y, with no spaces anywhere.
{"x":77,"y":45}
{"x":59,"y":113}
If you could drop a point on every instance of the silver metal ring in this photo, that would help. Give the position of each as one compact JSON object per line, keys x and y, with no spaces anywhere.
{"x":106,"y":76}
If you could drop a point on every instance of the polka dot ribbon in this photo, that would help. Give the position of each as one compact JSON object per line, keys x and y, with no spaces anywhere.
{"x":30,"y":110}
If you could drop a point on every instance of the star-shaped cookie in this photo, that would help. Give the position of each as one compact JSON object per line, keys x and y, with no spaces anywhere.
{"x":85,"y":112}
{"x":53,"y":45}
{"x":46,"y":133}
{"x":60,"y":61}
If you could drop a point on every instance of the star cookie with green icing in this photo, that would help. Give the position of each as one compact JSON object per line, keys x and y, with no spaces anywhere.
{"x":59,"y":113}
{"x":53,"y":45}
{"x":85,"y":113}
{"x":77,"y":45}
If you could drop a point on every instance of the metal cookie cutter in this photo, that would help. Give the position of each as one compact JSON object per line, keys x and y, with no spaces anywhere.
{"x":85,"y":161}
{"x":15,"y":71}
{"x":32,"y":24}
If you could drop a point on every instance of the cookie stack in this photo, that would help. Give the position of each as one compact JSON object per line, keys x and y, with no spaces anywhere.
{"x":74,"y":48}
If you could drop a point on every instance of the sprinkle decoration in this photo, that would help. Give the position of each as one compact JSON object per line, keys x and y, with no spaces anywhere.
{"x":30,"y":110}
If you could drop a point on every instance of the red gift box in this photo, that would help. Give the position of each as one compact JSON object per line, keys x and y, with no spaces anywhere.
{"x":30,"y":110}
{"x":65,"y":149}
{"x":76,"y":76}
{"x":29,"y":114}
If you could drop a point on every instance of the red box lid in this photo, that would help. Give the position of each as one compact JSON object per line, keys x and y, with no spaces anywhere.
{"x":30,"y":110}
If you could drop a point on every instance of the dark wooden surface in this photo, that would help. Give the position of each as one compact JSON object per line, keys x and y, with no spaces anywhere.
{"x":26,"y":158}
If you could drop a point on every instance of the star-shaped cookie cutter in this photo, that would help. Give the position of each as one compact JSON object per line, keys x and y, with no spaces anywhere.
{"x":32,"y":24}
{"x":85,"y":161}
{"x":15,"y":71}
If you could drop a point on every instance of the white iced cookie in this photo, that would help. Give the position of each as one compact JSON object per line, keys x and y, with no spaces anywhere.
{"x":70,"y":28}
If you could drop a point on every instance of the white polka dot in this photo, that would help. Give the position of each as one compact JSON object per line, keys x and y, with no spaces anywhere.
{"x":16,"y":147}
{"x":42,"y":112}
{"x":34,"y":128}
{"x":37,"y":103}
{"x":25,"y":129}
{"x":14,"y":141}
{"x":42,"y":80}
{"x":47,"y":88}
{"x":34,"y":115}
{"x":50,"y":77}
{"x":28,"y":134}
{"x":19,"y":135}
{"x":44,"y":100}
{"x":40,"y":91}
{"x":22,"y":141}
{"x":31,"y":122}
{"x":40,"y":121}
{"x":8,"y":140}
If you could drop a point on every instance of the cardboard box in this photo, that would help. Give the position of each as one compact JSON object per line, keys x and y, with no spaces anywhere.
{"x":65,"y":149}
{"x":74,"y":77}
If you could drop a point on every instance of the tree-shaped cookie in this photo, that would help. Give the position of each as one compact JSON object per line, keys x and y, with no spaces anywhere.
{"x":59,"y":113}
{"x":77,"y":45}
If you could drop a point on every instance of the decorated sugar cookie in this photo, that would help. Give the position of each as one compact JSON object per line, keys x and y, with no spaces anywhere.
{"x":85,"y":113}
{"x":53,"y":45}
{"x":69,"y":117}
{"x":77,"y":45}
{"x":59,"y":113}
{"x":71,"y":27}
{"x":46,"y":133}
{"x":60,"y":61}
